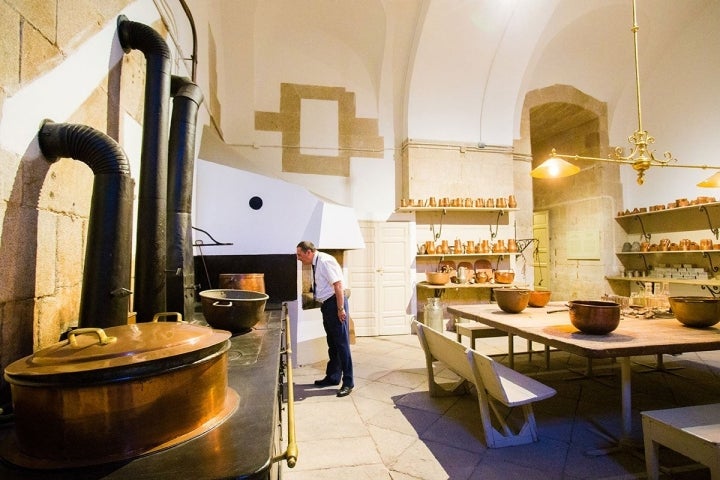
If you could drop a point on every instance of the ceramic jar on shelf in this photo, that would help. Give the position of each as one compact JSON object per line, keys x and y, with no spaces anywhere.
{"x":430,"y":247}
{"x":444,"y":247}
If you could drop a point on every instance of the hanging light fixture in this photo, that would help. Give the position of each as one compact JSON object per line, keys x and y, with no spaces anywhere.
{"x":640,"y":157}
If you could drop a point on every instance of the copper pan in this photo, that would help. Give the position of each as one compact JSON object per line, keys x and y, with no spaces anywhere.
{"x":111,"y":394}
{"x":254,"y":282}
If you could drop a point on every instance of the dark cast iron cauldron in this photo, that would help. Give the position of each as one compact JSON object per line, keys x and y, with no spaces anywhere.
{"x":234,"y":310}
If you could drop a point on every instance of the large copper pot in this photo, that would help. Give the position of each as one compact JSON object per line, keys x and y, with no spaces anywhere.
{"x":113,"y":394}
{"x":594,"y":317}
{"x":254,"y":282}
{"x":512,"y":300}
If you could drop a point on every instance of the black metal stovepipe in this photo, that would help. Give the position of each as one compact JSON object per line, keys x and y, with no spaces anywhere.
{"x":150,"y":249}
{"x":104,"y":299}
{"x":180,"y":279}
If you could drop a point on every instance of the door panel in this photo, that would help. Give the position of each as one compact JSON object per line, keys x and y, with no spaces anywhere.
{"x":380,"y":280}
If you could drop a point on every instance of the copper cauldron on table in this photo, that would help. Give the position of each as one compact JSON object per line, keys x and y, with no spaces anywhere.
{"x":594,"y":317}
{"x":107,"y":395}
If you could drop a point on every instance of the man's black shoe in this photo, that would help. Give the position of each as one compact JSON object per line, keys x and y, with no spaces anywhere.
{"x":344,"y":391}
{"x":325,"y":382}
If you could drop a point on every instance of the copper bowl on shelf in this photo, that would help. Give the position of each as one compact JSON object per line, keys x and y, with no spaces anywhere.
{"x":539,"y":298}
{"x":696,"y":312}
{"x":504,"y":276}
{"x":512,"y":300}
{"x":594,"y":317}
{"x":437,"y":278}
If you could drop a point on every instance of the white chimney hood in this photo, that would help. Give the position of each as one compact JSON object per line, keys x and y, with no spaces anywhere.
{"x":334,"y":227}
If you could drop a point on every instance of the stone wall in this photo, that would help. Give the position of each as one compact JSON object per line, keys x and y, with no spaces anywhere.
{"x":435,"y":169}
{"x":44,"y":207}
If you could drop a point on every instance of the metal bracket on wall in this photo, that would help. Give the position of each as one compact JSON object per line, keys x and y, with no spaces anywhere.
{"x":523,"y":243}
{"x":644,"y":261}
{"x":714,"y":230}
{"x":713,"y":289}
{"x":645,"y":235}
{"x":712,"y":267}
{"x":438,"y":234}
{"x":200,"y":243}
{"x":497,"y":225}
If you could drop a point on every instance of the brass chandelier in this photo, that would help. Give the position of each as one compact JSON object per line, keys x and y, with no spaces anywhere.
{"x":641,"y":158}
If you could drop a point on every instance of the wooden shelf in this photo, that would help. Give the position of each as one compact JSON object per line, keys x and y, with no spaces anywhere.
{"x":453,"y":255}
{"x":705,"y":216}
{"x":710,"y":282}
{"x":453,"y":209}
{"x":670,"y":252}
{"x":465,"y":285}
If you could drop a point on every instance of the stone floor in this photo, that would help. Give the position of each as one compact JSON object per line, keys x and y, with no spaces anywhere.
{"x":389,"y":427}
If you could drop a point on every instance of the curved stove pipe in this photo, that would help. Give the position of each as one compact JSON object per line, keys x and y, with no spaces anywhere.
{"x":151,"y":244}
{"x":180,"y":280}
{"x":104,"y":299}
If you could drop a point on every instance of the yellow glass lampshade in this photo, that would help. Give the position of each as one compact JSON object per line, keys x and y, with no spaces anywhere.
{"x":554,"y":167}
{"x":711,"y":182}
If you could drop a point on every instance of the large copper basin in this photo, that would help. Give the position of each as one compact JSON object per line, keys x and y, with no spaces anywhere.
{"x":594,"y":317}
{"x":512,"y":300}
{"x":234,"y":310}
{"x":696,"y":312}
{"x":109,"y":395}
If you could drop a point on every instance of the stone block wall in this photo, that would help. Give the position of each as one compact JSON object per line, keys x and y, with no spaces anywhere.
{"x":434,"y":169}
{"x":44,"y":207}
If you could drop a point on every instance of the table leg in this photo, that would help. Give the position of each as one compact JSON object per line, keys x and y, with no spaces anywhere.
{"x":659,"y":366}
{"x":626,"y":394}
{"x":511,"y":350}
{"x":624,"y":443}
{"x":530,"y":352}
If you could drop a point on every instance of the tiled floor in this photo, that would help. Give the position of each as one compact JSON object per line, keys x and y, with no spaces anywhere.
{"x":389,"y":427}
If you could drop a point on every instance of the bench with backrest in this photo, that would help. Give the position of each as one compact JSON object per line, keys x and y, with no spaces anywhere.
{"x":498,"y":387}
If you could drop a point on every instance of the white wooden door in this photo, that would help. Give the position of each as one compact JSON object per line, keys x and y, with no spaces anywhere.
{"x":379,"y":280}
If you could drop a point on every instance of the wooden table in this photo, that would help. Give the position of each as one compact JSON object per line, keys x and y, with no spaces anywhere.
{"x":632,"y":337}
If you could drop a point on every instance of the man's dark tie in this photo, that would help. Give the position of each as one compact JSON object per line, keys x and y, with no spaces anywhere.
{"x":314,"y":287}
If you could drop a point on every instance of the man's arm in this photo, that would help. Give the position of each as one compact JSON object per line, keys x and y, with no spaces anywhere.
{"x":340,"y":297}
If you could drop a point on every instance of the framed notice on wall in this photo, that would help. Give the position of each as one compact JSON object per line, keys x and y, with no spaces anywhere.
{"x":583,"y":245}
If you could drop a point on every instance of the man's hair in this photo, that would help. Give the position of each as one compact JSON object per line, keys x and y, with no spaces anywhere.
{"x":306,"y":246}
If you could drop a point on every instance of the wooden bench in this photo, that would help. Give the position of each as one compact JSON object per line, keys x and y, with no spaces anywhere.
{"x":474,"y":330}
{"x":496,"y":385}
{"x":692,"y":431}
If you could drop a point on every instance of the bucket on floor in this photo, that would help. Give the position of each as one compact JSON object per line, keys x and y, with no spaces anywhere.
{"x":254,"y":282}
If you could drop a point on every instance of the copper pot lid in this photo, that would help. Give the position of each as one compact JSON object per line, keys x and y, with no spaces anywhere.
{"x":126,"y":348}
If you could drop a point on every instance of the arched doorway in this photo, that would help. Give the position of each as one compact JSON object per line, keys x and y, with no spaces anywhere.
{"x":580,"y":209}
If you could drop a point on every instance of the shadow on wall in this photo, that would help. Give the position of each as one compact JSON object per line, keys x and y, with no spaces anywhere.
{"x":18,"y":257}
